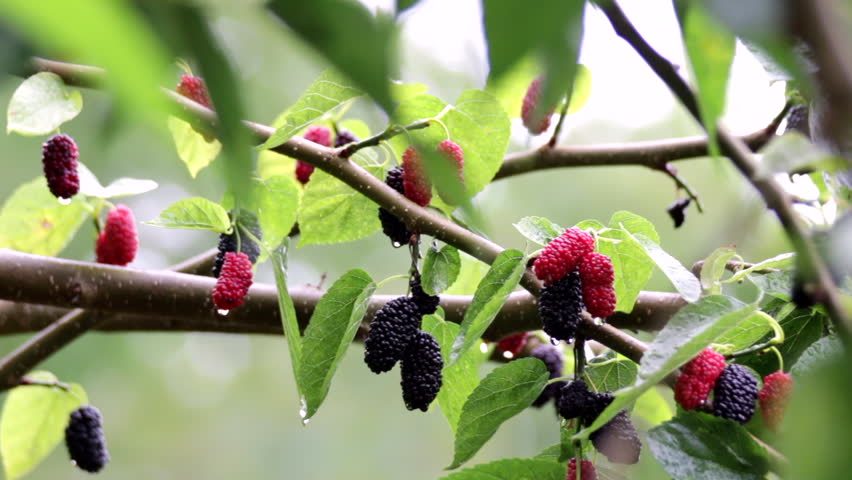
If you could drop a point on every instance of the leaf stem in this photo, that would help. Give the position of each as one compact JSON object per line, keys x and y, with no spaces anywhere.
{"x":390,"y":132}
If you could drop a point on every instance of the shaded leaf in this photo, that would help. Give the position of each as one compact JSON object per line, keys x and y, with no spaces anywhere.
{"x":287,"y":311}
{"x":192,"y":148}
{"x":440,"y":268}
{"x":822,"y":352}
{"x":331,"y":330}
{"x":195,"y":213}
{"x":714,"y":267}
{"x":683,"y":280}
{"x":632,"y":266}
{"x":610,"y":374}
{"x":504,"y":393}
{"x":538,"y":229}
{"x":41,"y":104}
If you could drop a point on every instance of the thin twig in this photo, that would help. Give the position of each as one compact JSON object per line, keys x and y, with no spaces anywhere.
{"x":672,"y":172}
{"x":390,"y":132}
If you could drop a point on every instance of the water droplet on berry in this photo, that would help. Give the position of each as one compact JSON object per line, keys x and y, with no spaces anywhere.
{"x":508,"y":355}
{"x":397,"y":244}
{"x":64,"y":201}
{"x":223,"y":311}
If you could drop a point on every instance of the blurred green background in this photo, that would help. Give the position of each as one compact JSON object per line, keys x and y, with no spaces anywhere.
{"x":219,"y":406}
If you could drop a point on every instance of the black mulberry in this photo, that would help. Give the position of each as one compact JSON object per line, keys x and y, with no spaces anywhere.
{"x":798,"y":121}
{"x":59,"y":158}
{"x":391,"y":330}
{"x":85,"y":439}
{"x":561,"y":306}
{"x":392,"y":226}
{"x":574,"y":399}
{"x":618,"y":440}
{"x":344,"y":137}
{"x":421,"y":372}
{"x":735,"y":394}
{"x":552,"y":358}
{"x":228,"y":241}
{"x":428,"y":304}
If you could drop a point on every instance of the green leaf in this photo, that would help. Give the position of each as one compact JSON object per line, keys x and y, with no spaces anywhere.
{"x":359,"y":44}
{"x":683,"y":280}
{"x":822,"y":352}
{"x":652,"y":407}
{"x":329,"y":91}
{"x":504,"y":393}
{"x":440,"y":268}
{"x":100,"y":33}
{"x":333,"y":212}
{"x":123,"y":187}
{"x":195,"y":213}
{"x":610,"y":373}
{"x":632,"y":266}
{"x":34,"y":421}
{"x":689,"y":446}
{"x":745,"y":333}
{"x":512,"y":469}
{"x":276,"y":201}
{"x":802,"y":327}
{"x":793,"y":152}
{"x":714,"y":267}
{"x":41,"y":104}
{"x":782,"y":261}
{"x":470,"y":275}
{"x":287,"y":311}
{"x":330,"y":332}
{"x":501,"y":279}
{"x":711,"y":52}
{"x":194,"y":150}
{"x":693,"y":328}
{"x":551,"y":453}
{"x":32,"y":220}
{"x":777,"y":284}
{"x":225,"y":89}
{"x":538,"y":229}
{"x":460,"y":378}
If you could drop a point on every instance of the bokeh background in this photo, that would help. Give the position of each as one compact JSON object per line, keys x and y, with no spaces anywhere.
{"x":219,"y":406}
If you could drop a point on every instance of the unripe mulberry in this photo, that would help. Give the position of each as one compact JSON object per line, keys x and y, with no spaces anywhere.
{"x":560,"y":307}
{"x":599,"y":300}
{"x":563,"y":254}
{"x":228,"y":242}
{"x":392,"y":226}
{"x":194,"y":88}
{"x":421,"y":372}
{"x":534,"y":124}
{"x":735,"y":394}
{"x":454,"y":152}
{"x":596,"y":269}
{"x":85,"y":440}
{"x":427,"y":304}
{"x":416,"y":184}
{"x":512,"y":345}
{"x":552,"y":358}
{"x":59,"y":156}
{"x":234,"y":281}
{"x":618,"y":440}
{"x":774,"y":397}
{"x":117,"y":243}
{"x":391,"y":330}
{"x":344,"y":137}
{"x":587,"y":470}
{"x":697,"y":378}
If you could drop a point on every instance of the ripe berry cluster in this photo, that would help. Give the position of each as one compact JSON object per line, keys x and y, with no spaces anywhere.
{"x":228,"y":241}
{"x":734,"y":389}
{"x":322,"y":136}
{"x":395,"y":336}
{"x":617,"y":439}
{"x":575,"y":277}
{"x":234,"y":281}
{"x":85,"y":440}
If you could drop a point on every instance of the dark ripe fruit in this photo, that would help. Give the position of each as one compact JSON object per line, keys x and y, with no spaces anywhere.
{"x":421,"y":377}
{"x":59,"y":156}
{"x":618,"y":440}
{"x":391,"y":330}
{"x":735,"y":394}
{"x":560,"y":307}
{"x":85,"y":440}
{"x":228,"y":241}
{"x":392,"y":226}
{"x":344,"y":137}
{"x":677,"y":211}
{"x":552,"y":358}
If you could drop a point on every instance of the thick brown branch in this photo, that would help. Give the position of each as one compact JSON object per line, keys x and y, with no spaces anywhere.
{"x":812,"y":266}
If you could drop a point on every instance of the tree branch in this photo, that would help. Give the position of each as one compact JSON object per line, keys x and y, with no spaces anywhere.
{"x":812,"y":266}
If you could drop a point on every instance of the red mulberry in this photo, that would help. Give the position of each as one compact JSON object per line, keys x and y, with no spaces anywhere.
{"x":391,"y":330}
{"x":234,"y":281}
{"x":512,"y":345}
{"x":735,"y":394}
{"x":416,"y":184}
{"x":560,"y":307}
{"x":319,"y":134}
{"x":599,"y":300}
{"x":563,"y":255}
{"x":59,"y":156}
{"x":697,"y":379}
{"x":117,"y":243}
{"x":194,"y":88}
{"x":535,"y":124}
{"x":587,"y":470}
{"x":596,"y":269}
{"x":85,"y":440}
{"x":774,"y":397}
{"x":421,"y":372}
{"x":552,"y":358}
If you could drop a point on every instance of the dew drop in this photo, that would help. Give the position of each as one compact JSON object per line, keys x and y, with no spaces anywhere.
{"x":223,"y":311}
{"x":396,"y":244}
{"x":508,"y":355}
{"x":303,"y":411}
{"x":483,"y":347}
{"x":64,"y":201}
